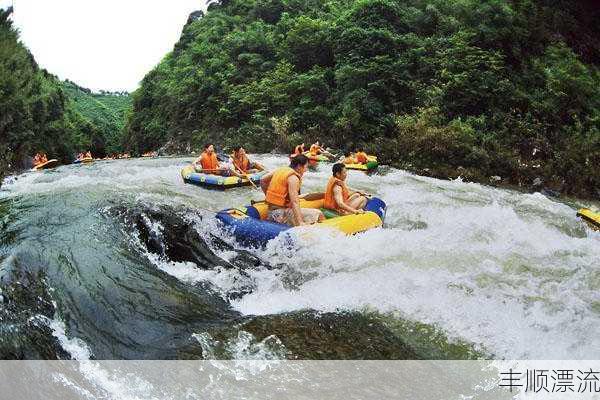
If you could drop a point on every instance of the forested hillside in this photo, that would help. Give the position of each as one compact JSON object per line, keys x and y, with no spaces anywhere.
{"x":34,"y":112}
{"x":105,"y":110}
{"x":477,"y":88}
{"x":38,"y":112}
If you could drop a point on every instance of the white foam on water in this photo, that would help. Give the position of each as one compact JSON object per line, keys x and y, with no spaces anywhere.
{"x":515,"y":273}
{"x":494,"y":267}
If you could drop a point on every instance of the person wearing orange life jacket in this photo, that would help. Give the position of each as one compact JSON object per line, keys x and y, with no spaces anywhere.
{"x":315,"y":149}
{"x":348,"y":158}
{"x":361,"y":156}
{"x":340,"y":198}
{"x":282,"y":194}
{"x":242,"y":163}
{"x":208,"y":163}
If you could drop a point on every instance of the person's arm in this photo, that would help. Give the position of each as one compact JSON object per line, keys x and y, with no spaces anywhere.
{"x":265,"y":181}
{"x":293,"y":188}
{"x":352,"y":191}
{"x":339,"y":199}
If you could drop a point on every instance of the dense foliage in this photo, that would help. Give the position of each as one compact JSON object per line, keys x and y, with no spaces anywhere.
{"x":38,"y":115}
{"x":106,"y":111}
{"x":33,"y":112}
{"x":470,"y":87}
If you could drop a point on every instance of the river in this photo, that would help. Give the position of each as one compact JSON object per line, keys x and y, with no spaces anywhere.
{"x":122,"y":260}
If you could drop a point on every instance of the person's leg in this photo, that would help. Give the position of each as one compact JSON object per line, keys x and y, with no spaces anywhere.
{"x":358,"y":202}
{"x":312,"y":215}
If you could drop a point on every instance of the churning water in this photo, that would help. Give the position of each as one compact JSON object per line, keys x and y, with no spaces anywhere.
{"x":121,"y":259}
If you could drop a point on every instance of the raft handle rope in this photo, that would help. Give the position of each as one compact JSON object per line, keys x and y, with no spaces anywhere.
{"x":216,"y":212}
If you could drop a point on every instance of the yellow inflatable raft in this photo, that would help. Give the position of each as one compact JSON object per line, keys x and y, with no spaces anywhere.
{"x":48,"y":164}
{"x":592,"y":218}
{"x":213,"y":181}
{"x":370,"y":165}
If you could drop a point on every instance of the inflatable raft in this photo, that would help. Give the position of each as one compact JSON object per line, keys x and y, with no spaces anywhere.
{"x":590,"y":217}
{"x":369,"y":166}
{"x":48,"y":164}
{"x":212,"y":181}
{"x":249,"y":225}
{"x":317,"y":158}
{"x":86,"y":160}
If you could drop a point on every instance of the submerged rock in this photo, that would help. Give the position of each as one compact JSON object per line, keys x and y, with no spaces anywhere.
{"x":311,"y":335}
{"x":25,"y":315}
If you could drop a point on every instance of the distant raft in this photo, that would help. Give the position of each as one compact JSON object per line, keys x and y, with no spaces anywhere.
{"x":369,"y":166}
{"x":48,"y":164}
{"x":86,"y":160}
{"x":592,"y":218}
{"x":249,"y":225}
{"x":316,"y":158}
{"x":220,"y":182}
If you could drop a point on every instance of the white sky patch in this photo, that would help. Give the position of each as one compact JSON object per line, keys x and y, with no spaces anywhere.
{"x":101,"y":44}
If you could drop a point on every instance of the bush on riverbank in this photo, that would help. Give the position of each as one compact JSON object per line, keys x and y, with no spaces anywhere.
{"x":514,"y":86}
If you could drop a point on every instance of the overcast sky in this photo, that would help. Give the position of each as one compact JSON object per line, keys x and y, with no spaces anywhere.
{"x":101,"y":44}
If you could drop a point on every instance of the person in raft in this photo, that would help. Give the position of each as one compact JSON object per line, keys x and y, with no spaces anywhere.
{"x":209,"y":164}
{"x":299,"y":149}
{"x":361,"y":156}
{"x":242,"y":163}
{"x":39,"y":158}
{"x":316,"y":149}
{"x":88,"y":154}
{"x":339,"y":197}
{"x":349,"y":158}
{"x":282,"y":194}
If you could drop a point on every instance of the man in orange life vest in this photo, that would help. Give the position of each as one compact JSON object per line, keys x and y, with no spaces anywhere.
{"x":316,"y":149}
{"x":282,"y":192}
{"x":340,"y":198}
{"x":209,"y":163}
{"x":361,"y":156}
{"x":242,"y":163}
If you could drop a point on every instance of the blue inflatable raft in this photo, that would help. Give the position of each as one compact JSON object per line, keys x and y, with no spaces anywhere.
{"x":249,"y":225}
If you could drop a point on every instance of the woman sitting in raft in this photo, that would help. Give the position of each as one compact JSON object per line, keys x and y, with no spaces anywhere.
{"x":209,"y":164}
{"x":242,"y":163}
{"x":340,"y":198}
{"x":282,"y":194}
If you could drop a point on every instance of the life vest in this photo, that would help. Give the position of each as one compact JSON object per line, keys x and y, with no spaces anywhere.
{"x":278,"y":191}
{"x":243,"y":164}
{"x":315,"y":150}
{"x":349,"y":160}
{"x":361,"y":157}
{"x":329,"y":201}
{"x":209,"y":161}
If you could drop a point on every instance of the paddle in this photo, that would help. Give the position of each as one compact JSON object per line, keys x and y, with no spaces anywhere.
{"x":245,"y":175}
{"x":307,"y":197}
